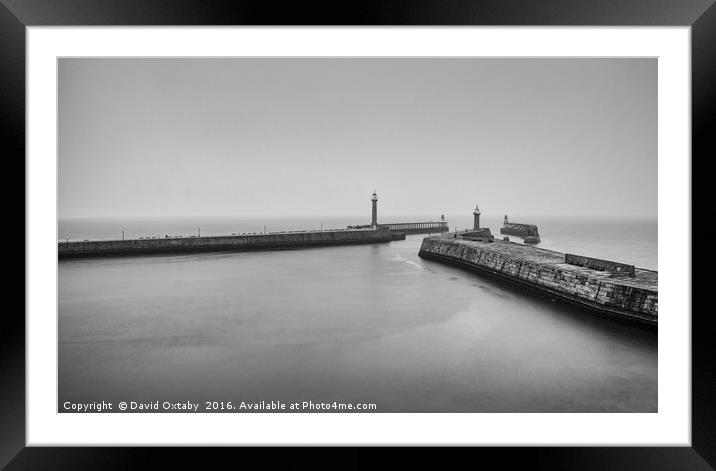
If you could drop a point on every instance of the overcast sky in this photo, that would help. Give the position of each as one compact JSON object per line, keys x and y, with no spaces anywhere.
{"x":281,"y":137}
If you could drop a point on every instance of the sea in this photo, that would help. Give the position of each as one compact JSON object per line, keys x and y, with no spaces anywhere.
{"x":361,"y":324}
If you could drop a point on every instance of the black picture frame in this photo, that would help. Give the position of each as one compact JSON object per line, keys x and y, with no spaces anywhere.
{"x":16,"y":15}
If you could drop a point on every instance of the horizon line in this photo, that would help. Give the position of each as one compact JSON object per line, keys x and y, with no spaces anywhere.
{"x":360,"y":216}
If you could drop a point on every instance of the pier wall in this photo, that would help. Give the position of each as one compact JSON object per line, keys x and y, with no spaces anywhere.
{"x":285,"y":240}
{"x":599,"y":264}
{"x":520,"y":230}
{"x":596,"y":290}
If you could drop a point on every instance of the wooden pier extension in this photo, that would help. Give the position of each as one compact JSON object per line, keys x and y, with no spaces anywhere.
{"x":427,"y":227}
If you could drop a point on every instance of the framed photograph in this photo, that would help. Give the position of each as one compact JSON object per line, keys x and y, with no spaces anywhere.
{"x":424,"y":225}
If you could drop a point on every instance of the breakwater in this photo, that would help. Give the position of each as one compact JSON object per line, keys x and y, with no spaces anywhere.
{"x":275,"y":240}
{"x":632,"y":295}
{"x":527,"y":231}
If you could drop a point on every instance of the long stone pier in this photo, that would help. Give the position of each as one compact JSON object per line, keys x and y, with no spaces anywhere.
{"x":607,"y":287}
{"x":269,"y":241}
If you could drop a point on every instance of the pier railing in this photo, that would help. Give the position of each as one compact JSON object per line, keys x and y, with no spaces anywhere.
{"x":439,"y":226}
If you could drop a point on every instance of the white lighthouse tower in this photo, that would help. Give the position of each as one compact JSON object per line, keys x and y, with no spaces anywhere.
{"x":374,"y":219}
{"x":476,"y":213}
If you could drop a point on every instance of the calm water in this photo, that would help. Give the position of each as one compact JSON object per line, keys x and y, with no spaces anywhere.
{"x":368,"y":323}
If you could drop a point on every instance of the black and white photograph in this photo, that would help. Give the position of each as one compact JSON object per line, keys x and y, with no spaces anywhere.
{"x":357,"y":234}
{"x":346,"y":228}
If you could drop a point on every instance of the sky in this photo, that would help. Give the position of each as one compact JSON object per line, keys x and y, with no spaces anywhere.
{"x":279,"y":137}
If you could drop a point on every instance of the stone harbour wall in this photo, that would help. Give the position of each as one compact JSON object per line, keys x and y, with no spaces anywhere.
{"x":520,"y":230}
{"x":545,"y":271}
{"x":268,"y":241}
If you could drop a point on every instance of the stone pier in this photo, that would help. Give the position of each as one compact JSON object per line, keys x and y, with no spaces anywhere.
{"x":607,"y":287}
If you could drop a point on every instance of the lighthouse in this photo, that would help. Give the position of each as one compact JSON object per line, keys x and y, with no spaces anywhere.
{"x":476,"y":213}
{"x":374,"y":219}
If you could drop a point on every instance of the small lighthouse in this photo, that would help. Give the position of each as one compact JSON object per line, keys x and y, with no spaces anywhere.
{"x":476,"y":213}
{"x":505,"y":223}
{"x":374,"y":219}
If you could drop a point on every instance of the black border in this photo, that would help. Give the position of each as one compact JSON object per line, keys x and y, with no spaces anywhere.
{"x":15,"y":15}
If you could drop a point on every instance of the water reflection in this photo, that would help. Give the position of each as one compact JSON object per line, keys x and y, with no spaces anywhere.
{"x":368,"y":323}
